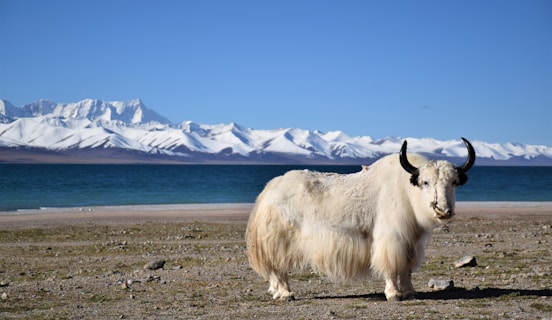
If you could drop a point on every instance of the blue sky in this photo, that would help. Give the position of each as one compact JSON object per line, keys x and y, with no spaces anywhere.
{"x":440,"y":69}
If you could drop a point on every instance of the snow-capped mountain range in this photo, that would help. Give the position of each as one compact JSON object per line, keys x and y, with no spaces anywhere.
{"x":96,"y":130}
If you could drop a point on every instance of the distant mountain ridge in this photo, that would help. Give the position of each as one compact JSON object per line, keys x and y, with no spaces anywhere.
{"x":101,"y":131}
{"x":129,"y":112}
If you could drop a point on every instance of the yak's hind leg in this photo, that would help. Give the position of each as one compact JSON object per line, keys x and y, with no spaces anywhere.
{"x":279,"y":287}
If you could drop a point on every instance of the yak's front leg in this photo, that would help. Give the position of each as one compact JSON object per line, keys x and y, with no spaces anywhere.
{"x":392,"y":292}
{"x":407,"y":289}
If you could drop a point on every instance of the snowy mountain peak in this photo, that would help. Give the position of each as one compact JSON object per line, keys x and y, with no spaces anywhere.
{"x":130,"y":112}
{"x":38,"y":108}
{"x":8,"y":110}
{"x":131,"y":129}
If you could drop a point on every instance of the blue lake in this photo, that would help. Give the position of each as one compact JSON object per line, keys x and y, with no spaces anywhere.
{"x":33,"y":186}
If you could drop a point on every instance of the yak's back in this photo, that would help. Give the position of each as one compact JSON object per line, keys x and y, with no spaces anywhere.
{"x":307,"y":185}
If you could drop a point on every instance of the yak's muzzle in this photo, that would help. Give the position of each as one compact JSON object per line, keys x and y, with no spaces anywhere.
{"x":441,"y":214}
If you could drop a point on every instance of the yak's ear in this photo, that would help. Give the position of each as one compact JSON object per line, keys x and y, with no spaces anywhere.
{"x":462,"y":178}
{"x":414,"y":180}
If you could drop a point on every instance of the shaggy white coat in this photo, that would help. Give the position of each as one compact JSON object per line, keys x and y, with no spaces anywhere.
{"x":348,"y":226}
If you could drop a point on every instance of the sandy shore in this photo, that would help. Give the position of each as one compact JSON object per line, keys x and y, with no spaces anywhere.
{"x":90,"y":263}
{"x":212,"y":212}
{"x":125,"y":215}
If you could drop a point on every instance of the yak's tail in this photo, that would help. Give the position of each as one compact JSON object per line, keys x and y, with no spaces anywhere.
{"x":255,"y":247}
{"x":270,"y":241}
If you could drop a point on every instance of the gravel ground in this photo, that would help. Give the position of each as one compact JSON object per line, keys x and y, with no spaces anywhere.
{"x":89,"y":264}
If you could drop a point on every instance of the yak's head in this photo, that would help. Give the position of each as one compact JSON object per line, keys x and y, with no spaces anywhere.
{"x":438,"y":180}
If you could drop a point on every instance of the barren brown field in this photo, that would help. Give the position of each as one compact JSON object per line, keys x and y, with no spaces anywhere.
{"x":89,"y":264}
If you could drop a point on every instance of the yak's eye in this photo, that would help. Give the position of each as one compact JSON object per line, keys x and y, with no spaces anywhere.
{"x":425,"y":183}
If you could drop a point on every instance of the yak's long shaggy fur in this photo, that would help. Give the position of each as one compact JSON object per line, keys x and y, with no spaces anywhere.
{"x":345,"y":226}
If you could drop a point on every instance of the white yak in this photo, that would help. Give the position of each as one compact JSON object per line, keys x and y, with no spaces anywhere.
{"x":346,"y":226}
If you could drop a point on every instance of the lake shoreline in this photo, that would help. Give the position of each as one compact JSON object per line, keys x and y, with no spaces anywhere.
{"x":224,"y":212}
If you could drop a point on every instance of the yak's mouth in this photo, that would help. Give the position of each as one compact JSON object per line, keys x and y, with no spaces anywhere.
{"x":440,"y":213}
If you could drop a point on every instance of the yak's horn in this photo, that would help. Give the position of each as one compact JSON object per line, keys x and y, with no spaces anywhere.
{"x":405,"y":163}
{"x":471,"y":157}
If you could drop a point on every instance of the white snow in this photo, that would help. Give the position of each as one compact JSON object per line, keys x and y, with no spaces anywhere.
{"x":130,"y":125}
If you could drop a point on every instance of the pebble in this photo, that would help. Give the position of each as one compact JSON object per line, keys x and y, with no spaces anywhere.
{"x":438,"y":284}
{"x":129,"y":282}
{"x":467,"y":261}
{"x":151,"y":278}
{"x":154,"y":265}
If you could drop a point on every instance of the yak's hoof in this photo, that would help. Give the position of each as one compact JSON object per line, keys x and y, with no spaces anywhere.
{"x":403,"y":297}
{"x":286,"y":296}
{"x":409,"y":296}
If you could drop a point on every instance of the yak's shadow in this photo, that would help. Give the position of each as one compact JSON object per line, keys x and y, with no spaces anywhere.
{"x":456,"y":294}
